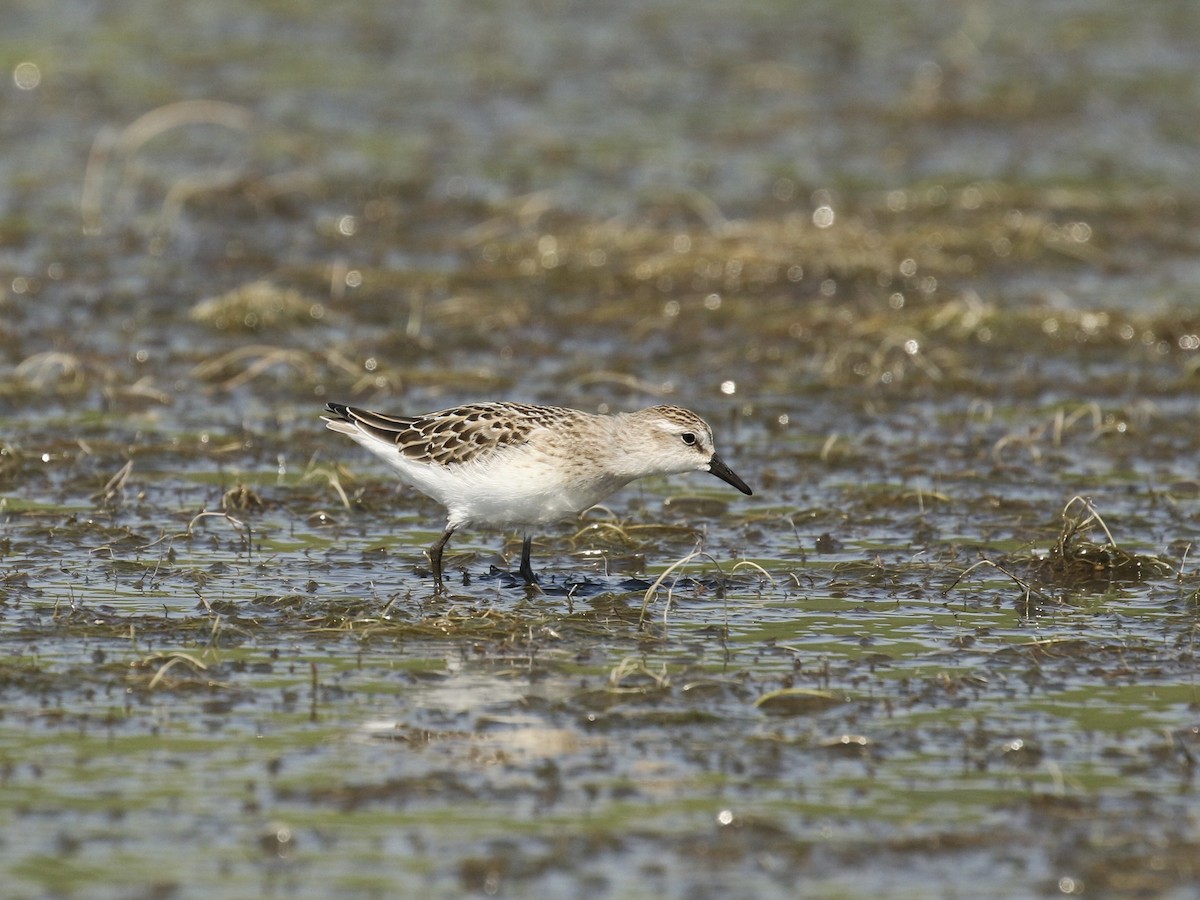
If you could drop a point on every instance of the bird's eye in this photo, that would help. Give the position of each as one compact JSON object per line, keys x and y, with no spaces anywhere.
{"x":688,"y":438}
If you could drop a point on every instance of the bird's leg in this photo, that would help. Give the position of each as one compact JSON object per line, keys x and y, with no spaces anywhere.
{"x":435,"y":557}
{"x":526,"y":570}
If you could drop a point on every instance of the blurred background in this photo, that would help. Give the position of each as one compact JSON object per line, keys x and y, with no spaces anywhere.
{"x":430,"y":202}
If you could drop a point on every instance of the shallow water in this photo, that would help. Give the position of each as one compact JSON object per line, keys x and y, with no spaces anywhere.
{"x":929,"y":277}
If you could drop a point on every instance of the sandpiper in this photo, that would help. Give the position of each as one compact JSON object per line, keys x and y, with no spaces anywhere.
{"x":516,"y":465}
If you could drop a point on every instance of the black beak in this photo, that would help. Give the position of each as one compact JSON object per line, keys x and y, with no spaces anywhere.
{"x":717,"y":467}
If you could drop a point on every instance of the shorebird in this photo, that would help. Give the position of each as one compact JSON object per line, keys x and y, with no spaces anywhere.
{"x":517,"y":465}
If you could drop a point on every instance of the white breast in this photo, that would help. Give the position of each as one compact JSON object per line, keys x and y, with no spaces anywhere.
{"x":515,"y":486}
